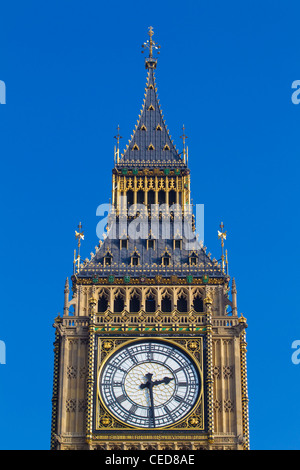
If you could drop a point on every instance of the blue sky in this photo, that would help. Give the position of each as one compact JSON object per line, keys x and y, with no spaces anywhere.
{"x":73,"y":72}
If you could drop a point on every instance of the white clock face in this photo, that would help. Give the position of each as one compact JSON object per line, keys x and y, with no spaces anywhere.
{"x":149,"y":384}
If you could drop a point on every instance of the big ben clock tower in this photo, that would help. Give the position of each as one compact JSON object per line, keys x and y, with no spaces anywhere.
{"x":150,"y":352}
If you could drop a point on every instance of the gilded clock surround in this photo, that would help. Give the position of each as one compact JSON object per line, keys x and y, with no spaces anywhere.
{"x":194,"y":307}
{"x":191,"y":347}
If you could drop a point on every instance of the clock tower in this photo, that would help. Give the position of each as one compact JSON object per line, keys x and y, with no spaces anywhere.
{"x":150,"y":353}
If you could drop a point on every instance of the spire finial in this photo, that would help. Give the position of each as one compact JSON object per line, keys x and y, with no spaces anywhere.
{"x":79,"y":236}
{"x":183,"y":137}
{"x":150,"y":62}
{"x":117,"y":152}
{"x":118,"y":136}
{"x":222,"y":235}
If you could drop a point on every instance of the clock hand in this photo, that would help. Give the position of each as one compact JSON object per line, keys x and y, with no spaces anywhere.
{"x":165,"y":380}
{"x":152,"y":416}
{"x":149,"y":381}
{"x":149,"y":385}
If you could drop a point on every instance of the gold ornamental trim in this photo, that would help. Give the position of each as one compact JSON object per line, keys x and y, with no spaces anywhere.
{"x":192,"y":347}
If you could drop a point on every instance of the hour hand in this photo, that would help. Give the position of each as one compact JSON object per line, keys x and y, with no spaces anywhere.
{"x":149,"y":382}
{"x":165,"y":380}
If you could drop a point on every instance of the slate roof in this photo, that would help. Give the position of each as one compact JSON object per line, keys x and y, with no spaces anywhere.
{"x":150,"y":147}
{"x":150,"y":260}
{"x":151,"y":144}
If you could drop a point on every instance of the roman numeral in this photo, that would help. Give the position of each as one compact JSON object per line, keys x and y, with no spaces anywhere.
{"x":117,"y":384}
{"x":133,"y":409}
{"x":178,"y":398}
{"x":121,"y":398}
{"x":168,"y":412}
{"x":133,"y":358}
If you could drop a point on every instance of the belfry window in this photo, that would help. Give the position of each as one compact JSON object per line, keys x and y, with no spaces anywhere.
{"x":135,"y":304}
{"x":166,"y":304}
{"x":172,"y":197}
{"x":161,"y":197}
{"x":150,"y":304}
{"x":140,"y":197}
{"x":198,"y":304}
{"x":118,"y":304}
{"x":102,"y":304}
{"x":182,"y":304}
{"x":129,"y":196}
{"x":151,"y":197}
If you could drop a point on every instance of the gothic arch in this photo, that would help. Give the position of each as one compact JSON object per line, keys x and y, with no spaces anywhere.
{"x":151,"y":300}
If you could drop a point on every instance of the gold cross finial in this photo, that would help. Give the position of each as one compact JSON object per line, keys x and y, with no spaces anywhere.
{"x":150,"y":44}
{"x":151,"y":32}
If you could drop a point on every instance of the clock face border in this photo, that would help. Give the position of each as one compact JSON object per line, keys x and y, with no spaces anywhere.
{"x":123,"y":342}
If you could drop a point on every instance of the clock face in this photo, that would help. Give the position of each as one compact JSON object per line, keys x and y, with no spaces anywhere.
{"x":149,"y":384}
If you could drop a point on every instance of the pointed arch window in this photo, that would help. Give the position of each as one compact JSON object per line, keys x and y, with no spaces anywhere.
{"x":119,"y":303}
{"x":151,"y":147}
{"x":135,"y":259}
{"x":193,"y":259}
{"x":198,"y":303}
{"x":135,"y":303}
{"x":166,"y":303}
{"x":102,"y":303}
{"x":143,"y":128}
{"x":135,"y":147}
{"x":151,"y":197}
{"x":166,"y":259}
{"x":182,"y":303}
{"x":108,"y":259}
{"x":166,"y":147}
{"x":151,"y":107}
{"x":158,"y":128}
{"x":150,"y":304}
